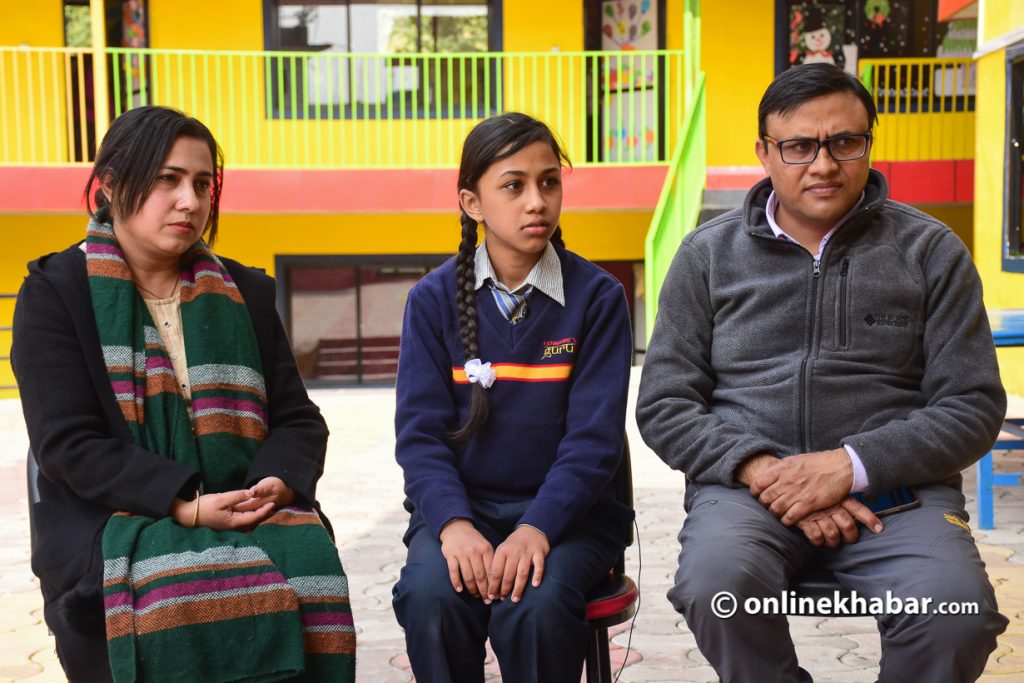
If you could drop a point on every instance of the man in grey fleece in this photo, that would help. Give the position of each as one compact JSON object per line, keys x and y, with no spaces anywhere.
{"x":818,"y":342}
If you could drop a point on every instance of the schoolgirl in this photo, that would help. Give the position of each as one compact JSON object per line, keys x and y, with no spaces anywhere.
{"x":510,"y":418}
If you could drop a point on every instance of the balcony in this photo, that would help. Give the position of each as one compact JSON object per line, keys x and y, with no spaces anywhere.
{"x":925,"y":108}
{"x":333,"y":133}
{"x":317,"y":110}
{"x":924,"y":139}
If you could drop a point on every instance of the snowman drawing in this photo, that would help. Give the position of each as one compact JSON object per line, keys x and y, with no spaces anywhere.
{"x":817,"y":39}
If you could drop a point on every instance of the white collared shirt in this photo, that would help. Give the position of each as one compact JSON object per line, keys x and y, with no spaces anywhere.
{"x":773,"y":206}
{"x":546,"y":274}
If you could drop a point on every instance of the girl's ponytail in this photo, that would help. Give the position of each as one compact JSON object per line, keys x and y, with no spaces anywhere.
{"x":465,"y":299}
{"x":556,"y":238}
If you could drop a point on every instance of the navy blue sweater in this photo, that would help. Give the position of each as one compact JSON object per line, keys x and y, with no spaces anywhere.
{"x":557,"y":409}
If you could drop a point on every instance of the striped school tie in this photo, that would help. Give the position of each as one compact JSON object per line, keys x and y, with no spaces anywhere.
{"x":512,"y":306}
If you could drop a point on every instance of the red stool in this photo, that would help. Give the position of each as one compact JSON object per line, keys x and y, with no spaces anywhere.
{"x":612,"y":603}
{"x":615,"y":600}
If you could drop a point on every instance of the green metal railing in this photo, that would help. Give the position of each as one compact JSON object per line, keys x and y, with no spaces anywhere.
{"x":680,"y":202}
{"x":347,"y":110}
{"x":682,"y":194}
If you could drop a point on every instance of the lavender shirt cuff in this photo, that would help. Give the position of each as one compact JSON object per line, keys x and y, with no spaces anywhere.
{"x":860,"y":475}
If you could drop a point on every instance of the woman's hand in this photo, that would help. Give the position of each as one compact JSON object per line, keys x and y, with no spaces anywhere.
{"x":524,"y":548}
{"x":269,"y":490}
{"x":468,"y":555}
{"x":221,"y":511}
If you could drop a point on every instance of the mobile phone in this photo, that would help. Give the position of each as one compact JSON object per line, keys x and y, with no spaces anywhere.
{"x":890,"y":502}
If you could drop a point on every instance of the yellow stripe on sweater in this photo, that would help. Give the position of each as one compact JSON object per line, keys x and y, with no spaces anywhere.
{"x":522,"y":373}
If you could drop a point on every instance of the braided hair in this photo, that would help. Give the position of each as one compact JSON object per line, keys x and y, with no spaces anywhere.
{"x":490,"y":140}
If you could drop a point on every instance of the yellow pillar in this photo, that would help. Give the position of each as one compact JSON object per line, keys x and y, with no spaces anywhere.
{"x":97,"y":13}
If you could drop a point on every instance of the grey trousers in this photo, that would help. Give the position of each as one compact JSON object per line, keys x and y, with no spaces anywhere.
{"x":730,"y":543}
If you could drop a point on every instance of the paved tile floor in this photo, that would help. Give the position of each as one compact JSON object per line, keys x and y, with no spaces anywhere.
{"x":362,"y":492}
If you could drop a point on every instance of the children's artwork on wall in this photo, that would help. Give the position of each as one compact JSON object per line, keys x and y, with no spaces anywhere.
{"x":959,"y":40}
{"x":885,"y":29}
{"x":877,"y":11}
{"x":816,"y":34}
{"x":629,"y":25}
{"x":133,"y":34}
{"x":133,"y":23}
{"x":628,"y":118}
{"x":629,"y":127}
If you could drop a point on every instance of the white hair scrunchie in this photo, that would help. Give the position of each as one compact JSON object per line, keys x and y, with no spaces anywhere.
{"x":480,"y":372}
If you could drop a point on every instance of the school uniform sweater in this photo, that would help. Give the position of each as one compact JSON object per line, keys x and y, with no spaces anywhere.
{"x":557,"y":408}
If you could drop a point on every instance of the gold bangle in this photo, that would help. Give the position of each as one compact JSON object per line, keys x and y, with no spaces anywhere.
{"x":195,"y":519}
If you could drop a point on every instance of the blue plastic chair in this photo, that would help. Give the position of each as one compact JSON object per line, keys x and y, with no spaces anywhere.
{"x":987,"y":479}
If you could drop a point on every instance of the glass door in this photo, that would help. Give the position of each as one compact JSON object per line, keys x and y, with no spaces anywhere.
{"x":344,"y":315}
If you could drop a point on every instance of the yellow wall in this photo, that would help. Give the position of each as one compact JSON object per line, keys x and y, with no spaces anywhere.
{"x":204,"y":25}
{"x":256,"y":239}
{"x":542,"y":25}
{"x":674,"y":22}
{"x":33,"y":236}
{"x":1001,"y":16}
{"x":40,"y":24}
{"x":738,"y":58}
{"x":1002,"y":290}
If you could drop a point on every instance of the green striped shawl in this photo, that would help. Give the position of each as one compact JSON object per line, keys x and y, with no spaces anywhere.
{"x":197,"y":604}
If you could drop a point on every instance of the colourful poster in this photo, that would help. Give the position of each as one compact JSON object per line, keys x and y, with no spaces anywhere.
{"x":630,"y":126}
{"x":133,"y":34}
{"x":816,"y":34}
{"x":885,"y":29}
{"x":629,"y":25}
{"x":133,"y":22}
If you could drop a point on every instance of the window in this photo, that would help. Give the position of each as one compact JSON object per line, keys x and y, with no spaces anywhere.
{"x":344,"y":313}
{"x":77,"y":24}
{"x":410,"y":79}
{"x":1013,"y":251}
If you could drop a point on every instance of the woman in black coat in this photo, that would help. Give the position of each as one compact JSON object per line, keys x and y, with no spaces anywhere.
{"x":157,"y":181}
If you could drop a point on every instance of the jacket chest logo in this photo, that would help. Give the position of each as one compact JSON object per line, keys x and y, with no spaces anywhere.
{"x":887,"y":320}
{"x":558,"y":347}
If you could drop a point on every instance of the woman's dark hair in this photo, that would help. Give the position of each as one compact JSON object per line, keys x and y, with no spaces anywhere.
{"x":490,"y":140}
{"x":806,"y":82}
{"x":132,"y":152}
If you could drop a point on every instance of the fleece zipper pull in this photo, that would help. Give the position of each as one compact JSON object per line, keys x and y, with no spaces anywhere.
{"x":817,"y":268}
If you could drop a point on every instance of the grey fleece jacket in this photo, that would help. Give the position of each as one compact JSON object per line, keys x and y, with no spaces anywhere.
{"x":884,"y":345}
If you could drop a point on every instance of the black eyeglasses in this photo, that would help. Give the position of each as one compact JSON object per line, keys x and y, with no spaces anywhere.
{"x":844,"y":147}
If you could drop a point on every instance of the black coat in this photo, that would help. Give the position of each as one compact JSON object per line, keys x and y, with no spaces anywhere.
{"x":89,"y":465}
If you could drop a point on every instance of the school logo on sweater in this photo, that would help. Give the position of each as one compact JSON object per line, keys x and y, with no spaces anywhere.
{"x":559,"y":347}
